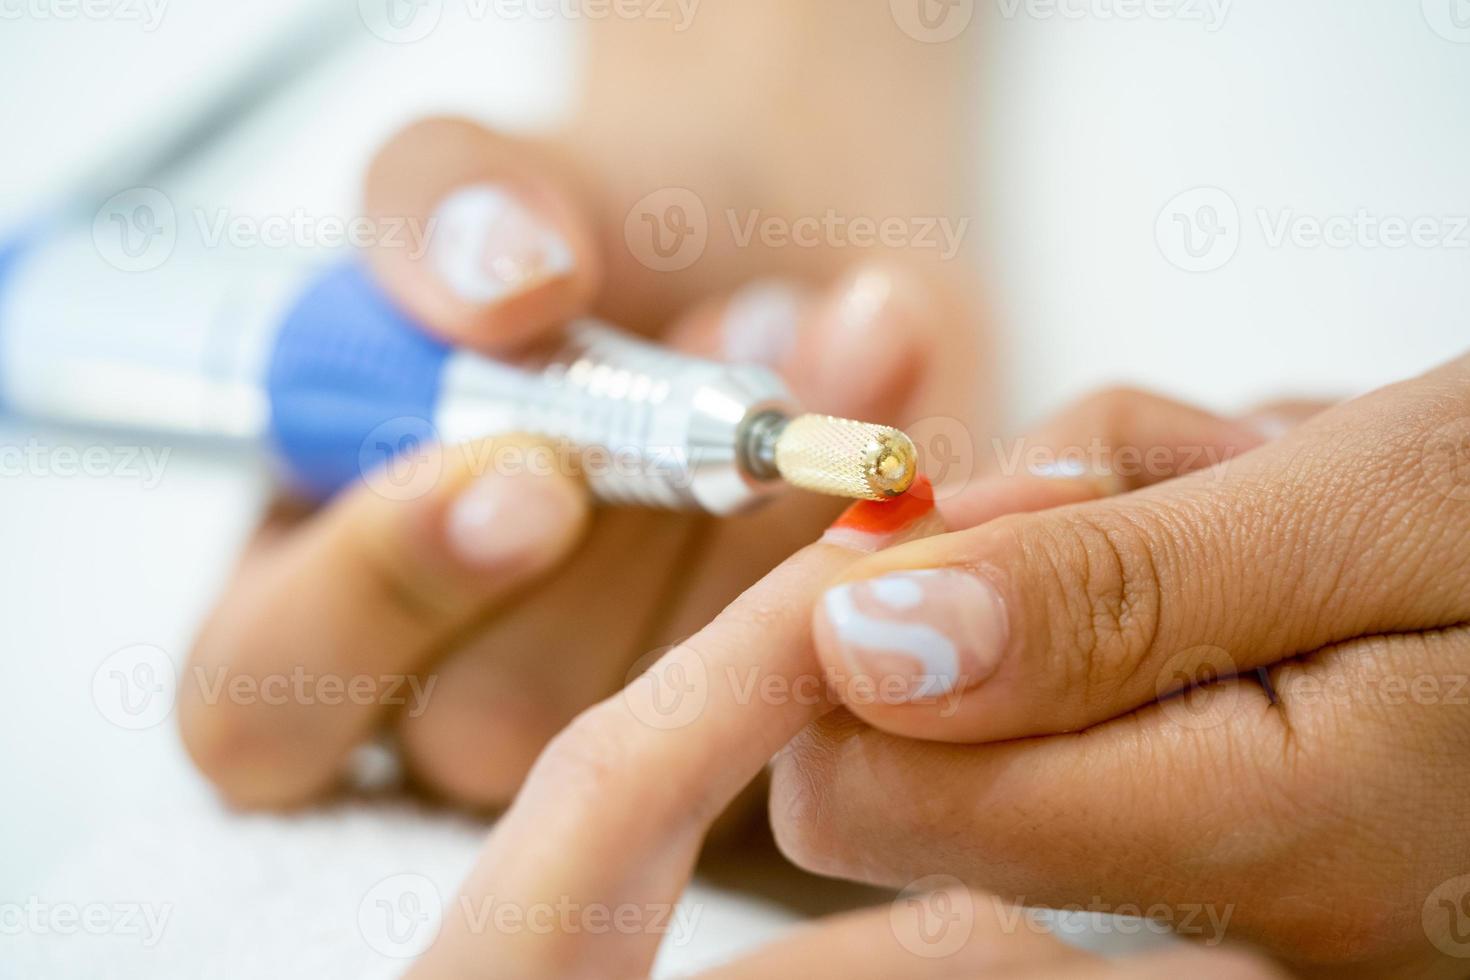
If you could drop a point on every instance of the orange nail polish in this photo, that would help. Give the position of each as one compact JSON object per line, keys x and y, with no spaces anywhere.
{"x":871,"y":525}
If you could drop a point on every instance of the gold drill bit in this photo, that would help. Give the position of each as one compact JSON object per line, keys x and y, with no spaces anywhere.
{"x":845,"y":458}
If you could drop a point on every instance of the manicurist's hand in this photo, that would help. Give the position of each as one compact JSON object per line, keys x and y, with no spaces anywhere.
{"x":474,"y":617}
{"x":580,"y":877}
{"x":1240,"y":691}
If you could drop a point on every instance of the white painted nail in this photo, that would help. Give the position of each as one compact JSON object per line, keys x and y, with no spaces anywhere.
{"x":487,"y":245}
{"x":760,"y":323}
{"x":939,"y":630}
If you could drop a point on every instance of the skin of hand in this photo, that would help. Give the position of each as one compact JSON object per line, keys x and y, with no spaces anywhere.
{"x":580,"y":877}
{"x":475,"y":618}
{"x":1241,"y":690}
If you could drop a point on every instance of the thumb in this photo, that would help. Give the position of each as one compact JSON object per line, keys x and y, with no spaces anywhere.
{"x":326,"y":630}
{"x":1054,"y":621}
{"x":492,"y":248}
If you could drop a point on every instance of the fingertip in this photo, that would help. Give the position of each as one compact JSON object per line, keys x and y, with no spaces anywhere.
{"x":523,"y":512}
{"x":479,"y":237}
{"x":860,"y":354}
{"x":759,"y":323}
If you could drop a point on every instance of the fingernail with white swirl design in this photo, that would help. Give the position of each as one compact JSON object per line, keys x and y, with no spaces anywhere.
{"x":940,"y":630}
{"x":488,"y":244}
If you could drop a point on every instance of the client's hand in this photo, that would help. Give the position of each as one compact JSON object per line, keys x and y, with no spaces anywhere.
{"x":477,"y":618}
{"x":579,"y":879}
{"x":1241,"y":690}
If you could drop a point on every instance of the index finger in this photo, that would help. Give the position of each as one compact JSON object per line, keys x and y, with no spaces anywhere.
{"x":611,"y":818}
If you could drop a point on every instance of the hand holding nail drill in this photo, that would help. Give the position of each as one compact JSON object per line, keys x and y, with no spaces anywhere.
{"x":471,"y":575}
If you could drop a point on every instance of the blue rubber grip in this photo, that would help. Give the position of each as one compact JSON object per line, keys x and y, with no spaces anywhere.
{"x":352,"y":384}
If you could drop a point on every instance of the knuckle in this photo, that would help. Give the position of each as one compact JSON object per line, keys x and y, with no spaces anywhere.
{"x":475,"y":755}
{"x":606,"y":753}
{"x":406,"y":595}
{"x":1117,"y":401}
{"x":803,"y":805}
{"x":590,"y":757}
{"x":1103,"y":615}
{"x":253,"y":761}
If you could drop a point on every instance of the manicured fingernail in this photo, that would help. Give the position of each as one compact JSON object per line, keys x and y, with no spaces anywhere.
{"x":500,"y":520}
{"x":872,"y":525}
{"x":1269,"y":425}
{"x":1100,"y":482}
{"x":759,"y":325}
{"x":938,"y":630}
{"x":865,"y":335}
{"x":487,"y":245}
